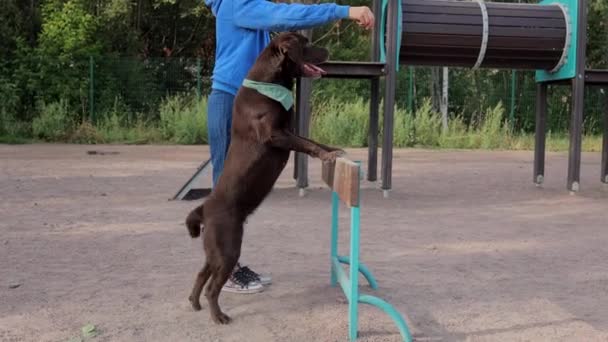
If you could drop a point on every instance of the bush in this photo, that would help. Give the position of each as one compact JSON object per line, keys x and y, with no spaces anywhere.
{"x":494,"y":133}
{"x":427,"y":125}
{"x":12,"y":130}
{"x":341,"y":124}
{"x":183,"y":119}
{"x":54,"y":122}
{"x":118,"y":126}
{"x":86,"y":133}
{"x":404,"y":133}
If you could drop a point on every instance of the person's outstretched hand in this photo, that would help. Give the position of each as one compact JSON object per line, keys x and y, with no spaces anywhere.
{"x":362,"y":15}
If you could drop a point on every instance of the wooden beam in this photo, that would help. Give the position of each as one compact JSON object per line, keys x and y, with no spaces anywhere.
{"x":346,"y":181}
{"x":342,"y":176}
{"x":327,"y":173}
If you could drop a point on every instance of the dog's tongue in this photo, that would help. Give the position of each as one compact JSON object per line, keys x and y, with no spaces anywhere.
{"x":311,"y":70}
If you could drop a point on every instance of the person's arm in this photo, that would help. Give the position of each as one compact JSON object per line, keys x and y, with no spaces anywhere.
{"x":270,"y":16}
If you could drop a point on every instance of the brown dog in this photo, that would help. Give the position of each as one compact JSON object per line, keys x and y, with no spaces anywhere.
{"x":259,"y":149}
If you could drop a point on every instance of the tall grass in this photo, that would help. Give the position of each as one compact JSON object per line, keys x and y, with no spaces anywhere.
{"x":343,"y":124}
{"x":183,"y":120}
{"x":347,"y":124}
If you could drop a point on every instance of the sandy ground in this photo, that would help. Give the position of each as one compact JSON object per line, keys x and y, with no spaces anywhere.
{"x":466,"y":247}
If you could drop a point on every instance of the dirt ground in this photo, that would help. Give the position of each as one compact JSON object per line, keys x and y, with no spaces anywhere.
{"x":467,"y":248}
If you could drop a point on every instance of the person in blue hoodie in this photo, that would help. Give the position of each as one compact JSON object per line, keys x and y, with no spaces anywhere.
{"x":242,"y":32}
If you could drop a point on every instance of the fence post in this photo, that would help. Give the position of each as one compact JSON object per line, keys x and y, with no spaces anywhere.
{"x":92,"y":89}
{"x":198,"y":78}
{"x":410,"y":92}
{"x":512,"y":109}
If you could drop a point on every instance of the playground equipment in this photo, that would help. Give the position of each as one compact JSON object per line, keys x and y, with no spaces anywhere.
{"x":343,"y":177}
{"x":549,"y":37}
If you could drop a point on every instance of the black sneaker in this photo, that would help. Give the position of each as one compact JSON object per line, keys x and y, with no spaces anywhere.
{"x":242,"y":282}
{"x":263,"y":279}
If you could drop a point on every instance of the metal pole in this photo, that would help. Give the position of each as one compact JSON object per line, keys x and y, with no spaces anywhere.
{"x":304,"y":92}
{"x":578,"y":99}
{"x":198,"y":79}
{"x":91,"y":89}
{"x":605,"y":142}
{"x":389,"y":98}
{"x":512,"y":111}
{"x":374,"y":101}
{"x":540,"y":134}
{"x":410,"y":92}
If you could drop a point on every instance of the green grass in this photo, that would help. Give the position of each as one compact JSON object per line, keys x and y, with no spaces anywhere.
{"x":183,"y":120}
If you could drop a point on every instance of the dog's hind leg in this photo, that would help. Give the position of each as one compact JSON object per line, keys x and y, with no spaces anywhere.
{"x":212,"y":292}
{"x":199,"y":283}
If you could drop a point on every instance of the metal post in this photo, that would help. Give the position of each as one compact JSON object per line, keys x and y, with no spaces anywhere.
{"x":374,"y":101}
{"x":605,"y":142}
{"x":295,"y":125}
{"x":410,"y":92}
{"x":578,"y":99}
{"x":353,"y":313}
{"x":92,"y":89}
{"x":372,"y":149}
{"x":335,"y":202}
{"x":198,"y":79}
{"x":512,"y":109}
{"x":541,"y":131}
{"x":304,"y":92}
{"x":389,"y":98}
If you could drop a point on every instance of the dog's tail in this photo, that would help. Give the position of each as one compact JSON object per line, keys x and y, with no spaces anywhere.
{"x":194,"y":221}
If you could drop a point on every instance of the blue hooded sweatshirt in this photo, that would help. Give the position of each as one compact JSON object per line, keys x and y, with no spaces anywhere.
{"x":242,"y":32}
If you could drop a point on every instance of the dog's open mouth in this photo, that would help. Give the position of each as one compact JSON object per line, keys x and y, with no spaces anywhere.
{"x":311,"y":70}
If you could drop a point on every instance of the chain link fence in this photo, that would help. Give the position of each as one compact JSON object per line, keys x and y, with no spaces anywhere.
{"x":135,"y":88}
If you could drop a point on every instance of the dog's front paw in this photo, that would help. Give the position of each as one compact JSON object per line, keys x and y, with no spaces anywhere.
{"x":340,"y":152}
{"x":221,"y":318}
{"x":331,"y":156}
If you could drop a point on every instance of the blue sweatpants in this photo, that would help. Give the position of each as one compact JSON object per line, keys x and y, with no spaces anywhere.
{"x":219,"y":121}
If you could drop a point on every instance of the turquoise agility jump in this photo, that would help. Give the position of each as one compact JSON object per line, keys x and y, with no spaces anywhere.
{"x":343,"y":177}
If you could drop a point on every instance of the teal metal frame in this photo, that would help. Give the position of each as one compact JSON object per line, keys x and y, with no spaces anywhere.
{"x":350,"y":282}
{"x":568,"y":70}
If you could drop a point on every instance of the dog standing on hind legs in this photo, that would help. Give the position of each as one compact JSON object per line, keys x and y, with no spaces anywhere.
{"x":259,"y":150}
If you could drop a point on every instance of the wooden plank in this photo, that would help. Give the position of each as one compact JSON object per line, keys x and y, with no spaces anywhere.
{"x":415,"y":39}
{"x":540,"y":12}
{"x":470,"y":30}
{"x":474,"y":52}
{"x":469,"y":10}
{"x":526,"y":22}
{"x":346,"y":181}
{"x":425,"y":18}
{"x":327,"y":173}
{"x":532,"y":32}
{"x":409,"y":18}
{"x":472,"y":8}
{"x":506,"y":63}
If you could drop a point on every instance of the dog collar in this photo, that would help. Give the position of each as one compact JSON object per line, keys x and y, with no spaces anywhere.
{"x":275,"y":91}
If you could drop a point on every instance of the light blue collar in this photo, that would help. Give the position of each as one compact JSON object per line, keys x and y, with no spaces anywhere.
{"x":274,"y":91}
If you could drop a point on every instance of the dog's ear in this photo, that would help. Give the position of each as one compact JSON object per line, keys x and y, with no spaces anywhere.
{"x":292,"y":47}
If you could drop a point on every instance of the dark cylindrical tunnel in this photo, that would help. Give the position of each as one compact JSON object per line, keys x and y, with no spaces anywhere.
{"x":451,"y":33}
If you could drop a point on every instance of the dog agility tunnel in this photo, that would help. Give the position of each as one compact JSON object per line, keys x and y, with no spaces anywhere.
{"x":484,"y":34}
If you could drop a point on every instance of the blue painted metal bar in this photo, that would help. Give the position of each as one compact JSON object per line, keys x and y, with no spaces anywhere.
{"x":392,"y":312}
{"x":363,"y":269}
{"x":334,"y":232}
{"x":341,"y":277}
{"x":353,"y":313}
